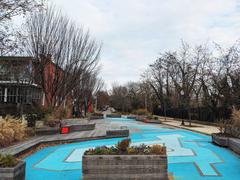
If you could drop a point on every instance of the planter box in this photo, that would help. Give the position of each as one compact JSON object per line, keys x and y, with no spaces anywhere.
{"x":96,"y":117}
{"x":153,"y":121}
{"x":140,"y":118}
{"x":234,"y":144}
{"x":15,"y":173}
{"x":81,"y":127}
{"x":220,"y":140}
{"x":131,"y":117}
{"x":47,"y":130}
{"x":118,"y":133}
{"x":122,"y":167}
{"x":114,"y":115}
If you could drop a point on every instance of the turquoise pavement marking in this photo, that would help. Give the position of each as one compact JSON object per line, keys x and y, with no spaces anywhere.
{"x":190,"y":155}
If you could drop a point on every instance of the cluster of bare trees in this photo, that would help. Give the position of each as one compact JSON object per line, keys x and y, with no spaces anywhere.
{"x":132,"y":96}
{"x":200,"y":82}
{"x":197,"y":77}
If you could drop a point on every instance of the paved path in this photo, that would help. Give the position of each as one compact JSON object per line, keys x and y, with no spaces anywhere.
{"x":98,"y":132}
{"x":202,"y":128}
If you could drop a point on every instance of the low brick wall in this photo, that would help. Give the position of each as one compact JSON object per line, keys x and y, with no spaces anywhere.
{"x":47,"y":131}
{"x":81,"y":127}
{"x":122,"y":167}
{"x":220,"y":140}
{"x":140,"y":118}
{"x":114,"y":115}
{"x":234,"y":144}
{"x":229,"y":142}
{"x":155,"y":121}
{"x":15,"y":173}
{"x":96,"y":117}
{"x":118,"y":133}
{"x":131,"y":117}
{"x":72,"y":128}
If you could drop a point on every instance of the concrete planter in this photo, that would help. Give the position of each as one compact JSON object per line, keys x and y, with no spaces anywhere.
{"x":234,"y":144}
{"x":96,"y":117}
{"x":81,"y":127}
{"x":47,"y":130}
{"x":155,"y":121}
{"x":14,"y":173}
{"x":220,"y":140}
{"x":121,"y":167}
{"x":114,"y":115}
{"x":140,"y":118}
{"x":131,"y":117}
{"x":118,"y":133}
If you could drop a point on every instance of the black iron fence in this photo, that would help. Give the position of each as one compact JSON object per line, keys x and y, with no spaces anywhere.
{"x":201,"y":114}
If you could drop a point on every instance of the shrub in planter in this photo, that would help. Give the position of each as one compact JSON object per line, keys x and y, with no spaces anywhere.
{"x":11,"y":130}
{"x":37,"y":114}
{"x":125,"y":162}
{"x":123,"y":148}
{"x":11,"y":168}
{"x":52,"y":123}
{"x":7,"y":161}
{"x":141,"y":112}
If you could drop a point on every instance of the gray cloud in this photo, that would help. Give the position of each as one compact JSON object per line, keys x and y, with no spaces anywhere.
{"x":133,"y":32}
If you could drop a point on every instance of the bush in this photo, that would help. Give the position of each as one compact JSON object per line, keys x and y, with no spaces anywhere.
{"x":236,"y":117}
{"x":11,"y":130}
{"x":7,"y":161}
{"x":38,"y":113}
{"x":141,"y":112}
{"x":123,"y":145}
{"x":158,"y":149}
{"x":123,"y":148}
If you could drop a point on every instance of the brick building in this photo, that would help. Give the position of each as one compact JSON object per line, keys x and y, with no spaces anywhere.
{"x":17,"y":86}
{"x":20,"y":86}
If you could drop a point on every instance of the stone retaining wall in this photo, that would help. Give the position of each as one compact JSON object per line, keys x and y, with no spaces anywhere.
{"x":72,"y":128}
{"x":114,"y":115}
{"x":118,"y":133}
{"x":220,"y":140}
{"x":122,"y":167}
{"x":82,"y":127}
{"x":234,"y":144}
{"x":229,"y":142}
{"x":47,"y":131}
{"x":96,"y":117}
{"x":15,"y":173}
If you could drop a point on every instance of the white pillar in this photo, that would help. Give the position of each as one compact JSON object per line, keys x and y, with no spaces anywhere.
{"x":64,"y":103}
{"x":43,"y":99}
{"x":5,"y":95}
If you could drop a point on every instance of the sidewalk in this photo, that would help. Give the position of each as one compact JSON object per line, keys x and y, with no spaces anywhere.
{"x":201,"y":128}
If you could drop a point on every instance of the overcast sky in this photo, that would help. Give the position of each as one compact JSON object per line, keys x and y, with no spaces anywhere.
{"x":134,"y":32}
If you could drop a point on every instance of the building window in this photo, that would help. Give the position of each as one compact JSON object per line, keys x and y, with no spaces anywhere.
{"x":1,"y":94}
{"x":11,"y":95}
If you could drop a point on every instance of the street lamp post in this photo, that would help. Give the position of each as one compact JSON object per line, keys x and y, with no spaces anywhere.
{"x":182,"y":103}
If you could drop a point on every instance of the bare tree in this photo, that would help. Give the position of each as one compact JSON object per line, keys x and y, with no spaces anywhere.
{"x":86,"y":90}
{"x":55,"y":41}
{"x":9,"y":9}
